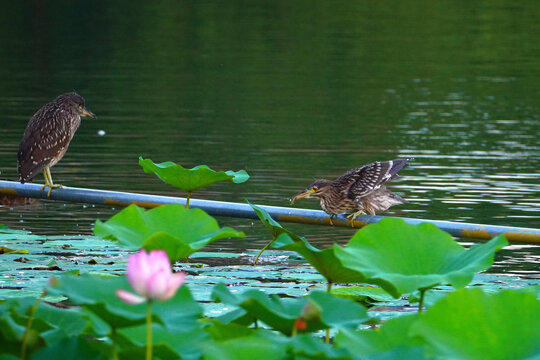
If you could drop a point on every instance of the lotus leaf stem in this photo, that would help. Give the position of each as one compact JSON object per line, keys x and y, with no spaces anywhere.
{"x":149,"y":330}
{"x":260,"y":252}
{"x":113,"y":338}
{"x":421,"y":302}
{"x":26,"y":334}
{"x":327,"y":337}
{"x":187,"y":199}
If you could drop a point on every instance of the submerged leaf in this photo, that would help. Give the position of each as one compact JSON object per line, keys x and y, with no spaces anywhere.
{"x":190,"y":179}
{"x":173,"y":228}
{"x":402,"y":258}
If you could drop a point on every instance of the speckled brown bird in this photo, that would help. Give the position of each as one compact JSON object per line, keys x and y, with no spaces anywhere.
{"x":358,"y":191}
{"x":47,"y":137}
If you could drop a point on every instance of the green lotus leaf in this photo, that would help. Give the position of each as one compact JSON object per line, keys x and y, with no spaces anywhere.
{"x":251,"y":347}
{"x":80,"y":347}
{"x":13,"y":321}
{"x":390,"y":341}
{"x":190,"y":179}
{"x":324,"y":260}
{"x":304,"y":346}
{"x":280,"y":314}
{"x":362,"y":294}
{"x":167,"y":343}
{"x":97,"y":294}
{"x":272,"y":225}
{"x":177,"y":230}
{"x":402,"y":258}
{"x":220,"y":331}
{"x":472,"y":324}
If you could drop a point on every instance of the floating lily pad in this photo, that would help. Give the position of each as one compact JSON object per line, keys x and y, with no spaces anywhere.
{"x":7,"y":233}
{"x":190,"y":179}
{"x":363,"y":294}
{"x":173,"y":228}
{"x":402,"y":258}
{"x":471,"y":324}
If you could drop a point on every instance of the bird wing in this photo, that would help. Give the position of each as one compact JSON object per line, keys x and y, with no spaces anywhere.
{"x":45,"y":139}
{"x":364,"y":180}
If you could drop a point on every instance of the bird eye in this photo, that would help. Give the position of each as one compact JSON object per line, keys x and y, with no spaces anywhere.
{"x":80,"y":106}
{"x":315,"y":188}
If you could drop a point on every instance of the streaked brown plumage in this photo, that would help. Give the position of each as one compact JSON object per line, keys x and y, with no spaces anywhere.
{"x":358,"y":191}
{"x":47,"y":137}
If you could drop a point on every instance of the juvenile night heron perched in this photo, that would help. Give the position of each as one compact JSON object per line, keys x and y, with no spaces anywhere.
{"x":358,"y":191}
{"x":47,"y":137}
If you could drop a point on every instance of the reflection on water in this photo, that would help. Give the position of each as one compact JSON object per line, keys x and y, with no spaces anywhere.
{"x":290,"y":96}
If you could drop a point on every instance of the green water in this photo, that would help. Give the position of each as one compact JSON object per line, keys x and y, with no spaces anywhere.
{"x":290,"y":91}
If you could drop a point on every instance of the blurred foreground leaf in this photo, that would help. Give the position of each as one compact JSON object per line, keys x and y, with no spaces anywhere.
{"x":472,"y":324}
{"x":97,"y":294}
{"x":281,"y":314}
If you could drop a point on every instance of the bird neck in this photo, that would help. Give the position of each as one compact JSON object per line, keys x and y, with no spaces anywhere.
{"x":331,"y":199}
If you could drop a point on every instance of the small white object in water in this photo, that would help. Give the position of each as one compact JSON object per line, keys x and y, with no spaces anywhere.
{"x":101,"y":132}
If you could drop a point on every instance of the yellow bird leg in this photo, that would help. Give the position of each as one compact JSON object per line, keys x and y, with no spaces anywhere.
{"x":353,"y":216}
{"x":331,"y":217}
{"x":49,"y":181}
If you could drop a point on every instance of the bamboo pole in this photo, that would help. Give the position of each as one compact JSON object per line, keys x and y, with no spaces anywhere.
{"x":241,"y":210}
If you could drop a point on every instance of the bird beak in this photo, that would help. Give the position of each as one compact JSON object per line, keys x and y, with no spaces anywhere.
{"x":86,"y":112}
{"x":302,"y":194}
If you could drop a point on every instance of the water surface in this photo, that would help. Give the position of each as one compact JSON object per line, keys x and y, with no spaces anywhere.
{"x":291,"y":92}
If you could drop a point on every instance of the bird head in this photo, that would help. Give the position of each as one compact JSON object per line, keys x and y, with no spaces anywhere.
{"x":75,"y":101}
{"x":317,"y":189}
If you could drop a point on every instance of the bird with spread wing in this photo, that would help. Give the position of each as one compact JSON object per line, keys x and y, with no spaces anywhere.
{"x":358,"y":191}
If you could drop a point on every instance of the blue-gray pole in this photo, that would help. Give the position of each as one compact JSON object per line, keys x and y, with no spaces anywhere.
{"x":240,"y":210}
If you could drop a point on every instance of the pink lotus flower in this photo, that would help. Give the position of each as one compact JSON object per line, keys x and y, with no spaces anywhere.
{"x":151,"y":277}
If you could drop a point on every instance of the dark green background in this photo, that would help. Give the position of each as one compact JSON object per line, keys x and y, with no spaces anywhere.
{"x":290,"y":91}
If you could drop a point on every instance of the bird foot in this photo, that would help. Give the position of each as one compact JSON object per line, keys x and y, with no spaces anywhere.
{"x":50,"y":186}
{"x":353,"y":216}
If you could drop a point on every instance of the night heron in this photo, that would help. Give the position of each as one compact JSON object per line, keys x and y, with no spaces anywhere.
{"x":358,"y":191}
{"x":47,"y":137}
